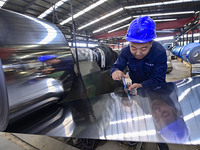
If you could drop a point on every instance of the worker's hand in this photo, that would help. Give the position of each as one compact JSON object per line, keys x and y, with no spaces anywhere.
{"x":134,"y":86}
{"x":128,"y":85}
{"x":117,"y":75}
{"x":48,"y":70}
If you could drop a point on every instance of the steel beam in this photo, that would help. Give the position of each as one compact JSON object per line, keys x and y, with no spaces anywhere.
{"x":159,"y":26}
{"x":27,"y":6}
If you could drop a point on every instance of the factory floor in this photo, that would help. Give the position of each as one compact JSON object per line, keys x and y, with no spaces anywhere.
{"x":10,"y":141}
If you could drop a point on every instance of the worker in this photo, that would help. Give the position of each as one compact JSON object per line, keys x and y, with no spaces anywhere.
{"x":57,"y":64}
{"x":145,"y":58}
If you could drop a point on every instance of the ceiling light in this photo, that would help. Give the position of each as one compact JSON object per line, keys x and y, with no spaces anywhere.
{"x":2,"y":2}
{"x":194,"y":35}
{"x":157,"y":4}
{"x":164,"y":38}
{"x":165,"y":14}
{"x":162,"y":20}
{"x":83,"y":11}
{"x":48,"y":11}
{"x":97,"y":20}
{"x":119,"y":28}
{"x":164,"y":31}
{"x":145,"y":5}
{"x":129,"y":24}
{"x":108,"y":26}
{"x":177,"y":1}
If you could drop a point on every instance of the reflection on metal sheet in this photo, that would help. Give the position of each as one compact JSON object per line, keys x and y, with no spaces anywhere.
{"x":156,"y":115}
{"x":38,"y":68}
{"x":166,"y":113}
{"x":32,"y":83}
{"x":32,"y":31}
{"x":189,"y":95}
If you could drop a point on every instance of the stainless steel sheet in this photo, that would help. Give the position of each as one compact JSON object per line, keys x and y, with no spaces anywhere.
{"x":168,"y":113}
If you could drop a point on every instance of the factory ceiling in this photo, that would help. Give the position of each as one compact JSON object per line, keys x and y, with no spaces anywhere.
{"x":107,"y":19}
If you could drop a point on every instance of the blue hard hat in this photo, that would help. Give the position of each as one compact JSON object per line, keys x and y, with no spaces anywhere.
{"x":141,"y":30}
{"x":46,"y":57}
{"x":176,"y":132}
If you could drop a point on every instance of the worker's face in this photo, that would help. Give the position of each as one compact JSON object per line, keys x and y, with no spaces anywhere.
{"x":53,"y":61}
{"x":140,"y":50}
{"x":163,"y":114}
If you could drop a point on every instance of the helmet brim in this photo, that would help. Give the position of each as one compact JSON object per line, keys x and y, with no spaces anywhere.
{"x":139,"y":41}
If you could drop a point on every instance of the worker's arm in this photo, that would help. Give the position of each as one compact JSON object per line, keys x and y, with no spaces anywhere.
{"x":134,"y":86}
{"x":159,"y":72}
{"x":117,"y":68}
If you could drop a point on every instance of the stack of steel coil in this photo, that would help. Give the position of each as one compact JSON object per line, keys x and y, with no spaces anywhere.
{"x":189,"y":53}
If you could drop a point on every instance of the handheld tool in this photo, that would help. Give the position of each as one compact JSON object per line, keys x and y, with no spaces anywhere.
{"x":128,"y":94}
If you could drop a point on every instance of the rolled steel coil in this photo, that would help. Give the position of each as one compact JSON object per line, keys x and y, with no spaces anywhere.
{"x":191,"y":53}
{"x":27,"y":82}
{"x":176,"y":50}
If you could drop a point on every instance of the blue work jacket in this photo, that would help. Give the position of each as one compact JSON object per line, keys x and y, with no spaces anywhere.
{"x":66,"y":64}
{"x":149,"y":71}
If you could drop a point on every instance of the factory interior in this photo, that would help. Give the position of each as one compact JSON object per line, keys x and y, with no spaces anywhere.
{"x":57,"y":90}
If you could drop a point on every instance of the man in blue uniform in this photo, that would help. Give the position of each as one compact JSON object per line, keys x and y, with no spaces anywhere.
{"x":58,"y":64}
{"x":145,"y":58}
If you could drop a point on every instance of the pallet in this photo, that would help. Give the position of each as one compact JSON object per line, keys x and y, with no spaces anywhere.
{"x":179,"y":59}
{"x":187,"y":64}
{"x":184,"y":62}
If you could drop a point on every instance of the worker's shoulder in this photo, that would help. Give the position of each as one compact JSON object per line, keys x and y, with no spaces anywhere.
{"x":125,"y":49}
{"x":157,"y":48}
{"x":157,"y":52}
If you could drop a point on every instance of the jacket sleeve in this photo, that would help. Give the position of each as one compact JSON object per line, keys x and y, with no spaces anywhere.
{"x":120,"y":63}
{"x":159,"y":72}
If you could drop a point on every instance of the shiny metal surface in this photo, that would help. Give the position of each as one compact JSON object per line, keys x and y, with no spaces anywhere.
{"x":4,"y":106}
{"x":110,"y":55}
{"x":87,"y":60}
{"x":169,"y":113}
{"x":20,"y":29}
{"x":32,"y":84}
{"x":25,"y":95}
{"x":103,"y":58}
{"x":96,"y":78}
{"x":84,"y":54}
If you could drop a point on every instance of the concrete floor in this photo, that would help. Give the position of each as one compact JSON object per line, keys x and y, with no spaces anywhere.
{"x":180,"y":71}
{"x":10,"y":141}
